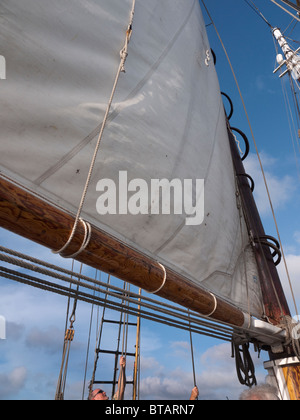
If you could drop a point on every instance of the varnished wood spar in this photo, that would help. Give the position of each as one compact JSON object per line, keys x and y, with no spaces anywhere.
{"x":273,"y":295}
{"x":31,"y":217}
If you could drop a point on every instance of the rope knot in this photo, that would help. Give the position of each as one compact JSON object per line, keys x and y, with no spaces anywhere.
{"x":292,"y":327}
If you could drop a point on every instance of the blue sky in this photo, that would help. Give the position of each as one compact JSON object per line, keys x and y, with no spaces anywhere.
{"x":30,"y":356}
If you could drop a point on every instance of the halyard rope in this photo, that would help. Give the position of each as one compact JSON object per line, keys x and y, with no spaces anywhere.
{"x":121,"y":68}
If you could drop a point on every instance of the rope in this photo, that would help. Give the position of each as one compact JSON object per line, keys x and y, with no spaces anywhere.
{"x":240,"y":210}
{"x":163,"y":282}
{"x":175,"y":317}
{"x":244,"y":364}
{"x":124,"y":324}
{"x":121,"y":69}
{"x":98,"y":339}
{"x":215,"y":306}
{"x":117,"y":291}
{"x":294,"y":137}
{"x":192,"y":356}
{"x":69,"y":336}
{"x":225,"y":333}
{"x":257,"y":11}
{"x":259,"y":159}
{"x":293,"y":339}
{"x":286,"y":10}
{"x":88,"y":344}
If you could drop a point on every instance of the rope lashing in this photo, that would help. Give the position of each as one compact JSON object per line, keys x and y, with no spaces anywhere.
{"x":85,"y":242}
{"x":292,"y":327}
{"x":215,"y":306}
{"x":121,"y":68}
{"x":164,"y":280}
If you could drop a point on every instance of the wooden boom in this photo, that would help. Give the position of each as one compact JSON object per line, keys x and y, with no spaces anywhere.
{"x":27,"y":215}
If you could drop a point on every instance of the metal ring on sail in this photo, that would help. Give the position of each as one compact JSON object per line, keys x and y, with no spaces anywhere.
{"x":214,"y":56}
{"x":247,"y":150}
{"x":265,"y":240}
{"x":231,"y":105}
{"x":252,"y":184}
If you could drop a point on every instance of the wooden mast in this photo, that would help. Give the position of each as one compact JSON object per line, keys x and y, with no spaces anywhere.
{"x":273,"y":295}
{"x":29,"y":216}
{"x":284,"y":372}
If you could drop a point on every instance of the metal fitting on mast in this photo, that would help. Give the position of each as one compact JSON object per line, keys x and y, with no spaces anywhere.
{"x":292,"y":60}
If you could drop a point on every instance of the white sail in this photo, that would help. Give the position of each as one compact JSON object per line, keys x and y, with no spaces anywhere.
{"x":167,"y":122}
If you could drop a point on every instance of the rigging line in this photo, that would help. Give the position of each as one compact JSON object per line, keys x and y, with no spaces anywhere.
{"x":163,"y":307}
{"x":291,"y":30}
{"x":69,"y":336}
{"x":258,"y":155}
{"x":258,"y":12}
{"x":136,"y":376}
{"x":125,"y":322}
{"x":180,"y":313}
{"x":295,"y":99}
{"x":44,"y":285}
{"x":160,"y":306}
{"x":240,"y":209}
{"x":20,"y":262}
{"x":69,"y":300}
{"x":99,"y":332}
{"x":89,"y":342}
{"x":121,"y":69}
{"x":286,"y":10}
{"x":293,"y":132}
{"x":291,"y":123}
{"x":192,"y":356}
{"x":120,"y":308}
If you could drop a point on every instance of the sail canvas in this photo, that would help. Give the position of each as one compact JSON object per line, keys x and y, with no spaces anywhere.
{"x":166,"y":127}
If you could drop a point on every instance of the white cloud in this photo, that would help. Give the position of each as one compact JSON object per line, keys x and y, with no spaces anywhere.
{"x":180,"y":344}
{"x":12,"y":382}
{"x":293,"y":264}
{"x":150,"y":363}
{"x":50,"y":339}
{"x":170,"y":385}
{"x":216,"y":378}
{"x":297,"y":237}
{"x":281,"y":188}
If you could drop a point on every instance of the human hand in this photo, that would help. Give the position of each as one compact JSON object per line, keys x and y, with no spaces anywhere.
{"x":122,"y":361}
{"x":195,"y":393}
